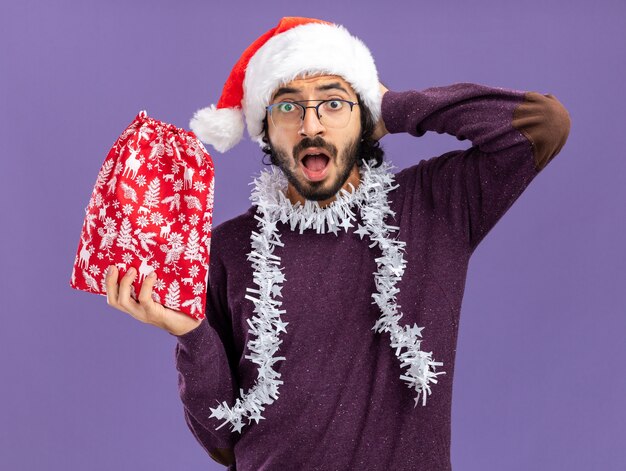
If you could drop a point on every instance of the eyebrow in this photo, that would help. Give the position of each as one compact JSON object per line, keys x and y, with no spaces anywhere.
{"x":285,"y":91}
{"x":321,"y":88}
{"x":332,"y":86}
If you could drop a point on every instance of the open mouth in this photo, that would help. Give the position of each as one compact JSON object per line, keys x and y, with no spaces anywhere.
{"x":315,"y":164}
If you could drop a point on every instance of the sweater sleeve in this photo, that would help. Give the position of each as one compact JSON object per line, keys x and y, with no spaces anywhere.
{"x":514,"y":135}
{"x":206,"y":377}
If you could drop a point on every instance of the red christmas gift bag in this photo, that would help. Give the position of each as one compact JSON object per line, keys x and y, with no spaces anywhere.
{"x":151,"y":209}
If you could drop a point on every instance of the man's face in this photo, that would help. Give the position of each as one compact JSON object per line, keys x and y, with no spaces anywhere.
{"x":297,"y":150}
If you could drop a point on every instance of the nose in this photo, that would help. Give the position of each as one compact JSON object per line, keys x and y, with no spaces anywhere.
{"x":311,"y":125}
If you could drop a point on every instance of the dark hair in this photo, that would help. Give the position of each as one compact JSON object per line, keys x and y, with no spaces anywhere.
{"x":369,"y":149}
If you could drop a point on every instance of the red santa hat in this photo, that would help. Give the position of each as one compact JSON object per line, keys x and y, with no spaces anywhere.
{"x":296,"y":47}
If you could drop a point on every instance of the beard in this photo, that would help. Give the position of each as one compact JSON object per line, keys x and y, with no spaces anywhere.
{"x":320,"y":190}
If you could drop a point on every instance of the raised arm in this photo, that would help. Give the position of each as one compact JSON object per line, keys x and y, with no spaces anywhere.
{"x":514,"y":135}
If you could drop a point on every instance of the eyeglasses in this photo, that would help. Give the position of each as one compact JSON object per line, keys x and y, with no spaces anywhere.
{"x":333,"y":113}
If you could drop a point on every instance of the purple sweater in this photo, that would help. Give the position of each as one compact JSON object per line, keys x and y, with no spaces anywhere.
{"x":342,"y":405}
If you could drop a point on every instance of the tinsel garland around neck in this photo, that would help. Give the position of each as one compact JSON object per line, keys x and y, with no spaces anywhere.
{"x":273,"y":207}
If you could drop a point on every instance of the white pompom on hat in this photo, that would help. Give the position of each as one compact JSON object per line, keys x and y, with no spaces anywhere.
{"x":296,"y":47}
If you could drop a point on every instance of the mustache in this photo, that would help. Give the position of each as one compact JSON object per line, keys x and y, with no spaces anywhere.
{"x":316,"y":142}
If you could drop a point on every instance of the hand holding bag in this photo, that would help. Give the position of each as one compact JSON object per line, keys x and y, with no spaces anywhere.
{"x":151,"y":209}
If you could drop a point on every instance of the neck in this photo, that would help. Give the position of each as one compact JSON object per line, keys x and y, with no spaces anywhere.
{"x":354,"y":178}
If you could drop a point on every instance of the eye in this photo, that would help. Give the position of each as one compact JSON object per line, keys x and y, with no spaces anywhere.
{"x":334,"y":105}
{"x":286,"y":107}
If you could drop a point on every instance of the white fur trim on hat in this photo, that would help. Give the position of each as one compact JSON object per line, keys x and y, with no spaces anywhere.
{"x":222,"y":128}
{"x":305,"y":50}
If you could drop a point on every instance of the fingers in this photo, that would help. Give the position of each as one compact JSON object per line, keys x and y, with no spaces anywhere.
{"x":118,"y":295}
{"x":145,"y":294}
{"x":111,"y":285}
{"x":123,"y":298}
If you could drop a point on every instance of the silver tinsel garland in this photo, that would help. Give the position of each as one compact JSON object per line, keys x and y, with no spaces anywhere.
{"x":274,"y":207}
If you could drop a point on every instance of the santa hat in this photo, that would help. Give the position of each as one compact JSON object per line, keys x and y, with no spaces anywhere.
{"x":296,"y":47}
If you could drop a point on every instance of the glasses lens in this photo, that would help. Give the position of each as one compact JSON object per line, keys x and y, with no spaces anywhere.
{"x":335,"y":113}
{"x":286,"y":115}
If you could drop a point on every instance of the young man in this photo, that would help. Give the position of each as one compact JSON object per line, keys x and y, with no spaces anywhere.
{"x":333,"y":302}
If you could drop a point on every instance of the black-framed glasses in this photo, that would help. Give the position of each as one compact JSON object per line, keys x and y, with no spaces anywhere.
{"x":333,"y":113}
